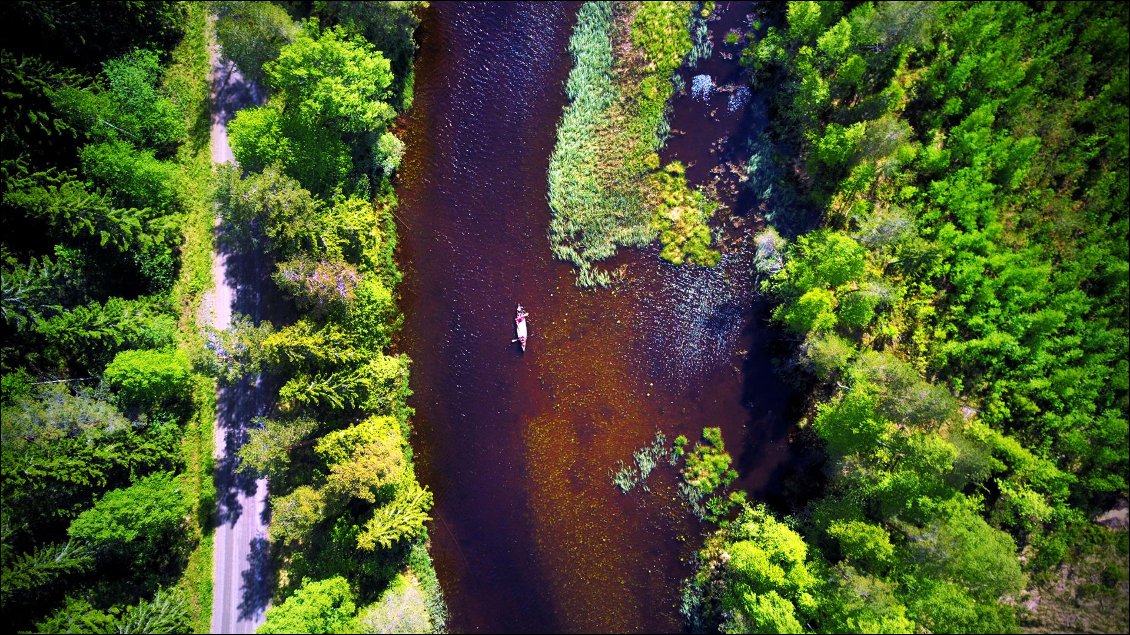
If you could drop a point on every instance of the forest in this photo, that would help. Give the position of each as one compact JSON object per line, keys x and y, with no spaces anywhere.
{"x":961,"y":309}
{"x":109,"y":372}
{"x":914,"y":307}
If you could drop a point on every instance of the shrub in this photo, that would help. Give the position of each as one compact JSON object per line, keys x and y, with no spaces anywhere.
{"x":148,"y":378}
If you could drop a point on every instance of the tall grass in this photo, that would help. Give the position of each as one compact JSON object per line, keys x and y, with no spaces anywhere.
{"x":611,"y":129}
{"x":186,"y":81}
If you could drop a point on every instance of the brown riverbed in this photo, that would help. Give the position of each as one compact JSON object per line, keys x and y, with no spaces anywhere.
{"x":529,"y":532}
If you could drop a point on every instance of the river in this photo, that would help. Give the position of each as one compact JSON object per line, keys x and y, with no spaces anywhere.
{"x":529,"y":533}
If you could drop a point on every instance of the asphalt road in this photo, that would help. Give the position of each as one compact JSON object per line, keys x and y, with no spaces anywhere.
{"x":242,"y":577}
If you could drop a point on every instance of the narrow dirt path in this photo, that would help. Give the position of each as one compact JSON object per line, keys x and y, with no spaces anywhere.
{"x":241,"y":567}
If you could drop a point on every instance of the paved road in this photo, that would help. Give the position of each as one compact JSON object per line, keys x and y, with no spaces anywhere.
{"x":242,"y":581}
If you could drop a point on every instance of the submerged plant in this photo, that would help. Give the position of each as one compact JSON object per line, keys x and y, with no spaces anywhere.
{"x":647,"y":459}
{"x":625,"y":478}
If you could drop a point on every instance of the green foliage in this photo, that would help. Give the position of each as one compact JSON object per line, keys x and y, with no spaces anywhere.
{"x":61,"y":449}
{"x":286,"y":212}
{"x":319,"y":155}
{"x":322,"y":606}
{"x":30,"y":123}
{"x":130,"y":108}
{"x":146,"y":518}
{"x":758,"y":578}
{"x":238,"y":351}
{"x":252,"y":34}
{"x":90,"y":228}
{"x":829,"y":355}
{"x":961,"y":546}
{"x":294,"y":515}
{"x":402,"y":518}
{"x":402,"y":608}
{"x":304,"y":345}
{"x":680,"y":218}
{"x":318,"y":286}
{"x":861,"y":603}
{"x":661,"y":30}
{"x":267,"y":449}
{"x":72,"y":208}
{"x":150,"y":379}
{"x":333,"y":80}
{"x":88,"y":336}
{"x":167,"y":612}
{"x":388,"y":26}
{"x":74,"y":35}
{"x":707,"y":469}
{"x":28,"y":573}
{"x":863,"y":544}
{"x":258,"y":141}
{"x":812,"y":312}
{"x":43,"y":285}
{"x":331,"y":97}
{"x":76,"y":616}
{"x":363,"y":458}
{"x":599,"y":173}
{"x":964,"y":156}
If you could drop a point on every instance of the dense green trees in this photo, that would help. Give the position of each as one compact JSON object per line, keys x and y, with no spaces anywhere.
{"x":328,"y":115}
{"x":252,"y":34}
{"x":145,"y":519}
{"x":764,"y":571}
{"x":324,"y":606}
{"x":105,"y":486}
{"x":960,"y":301}
{"x":312,"y":191}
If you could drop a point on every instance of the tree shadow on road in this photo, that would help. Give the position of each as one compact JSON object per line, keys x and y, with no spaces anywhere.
{"x":258,"y":580}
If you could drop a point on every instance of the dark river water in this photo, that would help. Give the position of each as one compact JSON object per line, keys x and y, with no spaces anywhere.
{"x":529,"y":532}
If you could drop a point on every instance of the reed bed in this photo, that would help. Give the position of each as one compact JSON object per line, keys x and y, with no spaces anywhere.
{"x":625,"y":56}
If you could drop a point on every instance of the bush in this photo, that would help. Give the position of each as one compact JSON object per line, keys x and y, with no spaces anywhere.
{"x":134,"y":177}
{"x":149,"y":379}
{"x":323,"y":606}
{"x":402,"y":608}
{"x":144,"y":521}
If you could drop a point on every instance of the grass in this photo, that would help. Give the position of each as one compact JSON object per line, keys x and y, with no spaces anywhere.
{"x":625,"y":56}
{"x":680,"y":218}
{"x":186,"y":81}
{"x":647,"y":458}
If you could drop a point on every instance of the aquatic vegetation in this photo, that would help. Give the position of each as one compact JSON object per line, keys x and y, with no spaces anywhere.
{"x":707,"y":469}
{"x":611,"y":130}
{"x":680,"y":218}
{"x":703,"y":46}
{"x":647,"y":458}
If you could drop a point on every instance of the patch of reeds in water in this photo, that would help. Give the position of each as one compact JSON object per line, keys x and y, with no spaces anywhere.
{"x":608,"y":136}
{"x":647,"y":459}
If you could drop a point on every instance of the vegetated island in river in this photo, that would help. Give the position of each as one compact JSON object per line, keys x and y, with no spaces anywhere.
{"x":958,"y":307}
